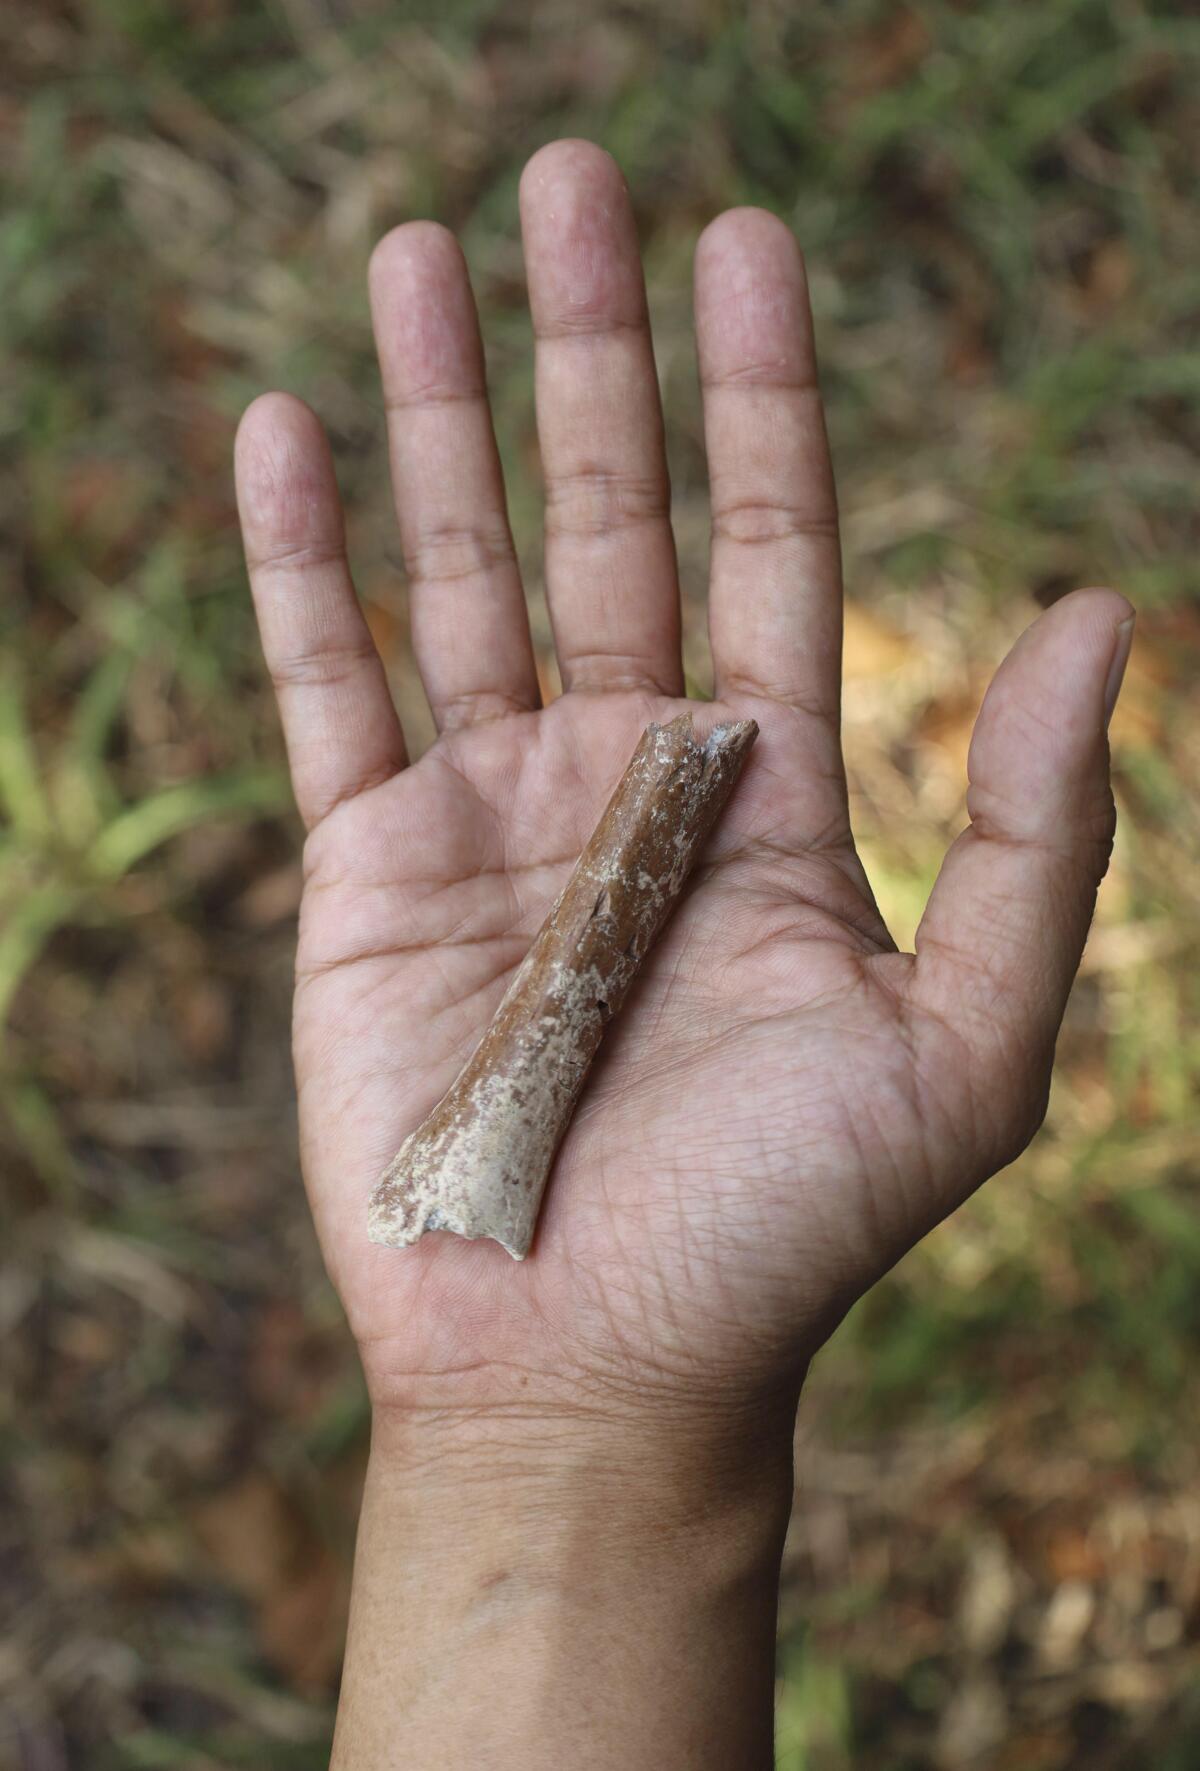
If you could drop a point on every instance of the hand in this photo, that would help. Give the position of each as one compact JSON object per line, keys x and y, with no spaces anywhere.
{"x":581,"y":1470}
{"x":787,"y":1103}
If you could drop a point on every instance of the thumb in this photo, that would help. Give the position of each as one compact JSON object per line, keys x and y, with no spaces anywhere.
{"x":1004,"y":929}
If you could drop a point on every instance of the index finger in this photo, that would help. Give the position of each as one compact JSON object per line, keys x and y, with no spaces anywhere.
{"x":775,"y":603}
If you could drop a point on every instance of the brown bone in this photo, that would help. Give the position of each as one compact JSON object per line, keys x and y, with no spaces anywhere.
{"x":479,"y":1163}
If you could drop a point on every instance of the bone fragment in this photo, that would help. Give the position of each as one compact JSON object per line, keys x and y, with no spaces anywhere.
{"x":478,"y":1164}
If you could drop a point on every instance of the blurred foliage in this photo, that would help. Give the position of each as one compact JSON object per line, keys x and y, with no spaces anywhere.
{"x":996,"y":1562}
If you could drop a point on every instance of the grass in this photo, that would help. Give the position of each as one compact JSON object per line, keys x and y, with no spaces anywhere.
{"x":995,"y":1561}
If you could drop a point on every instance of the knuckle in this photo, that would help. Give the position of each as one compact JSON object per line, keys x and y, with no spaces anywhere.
{"x":451,"y":551}
{"x":608,"y":671}
{"x":472,"y":707}
{"x":595,"y":500}
{"x":323,"y":667}
{"x":296,"y":554}
{"x":764,"y":522}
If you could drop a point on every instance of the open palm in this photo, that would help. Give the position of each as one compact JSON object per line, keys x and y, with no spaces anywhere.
{"x":786,"y":1103}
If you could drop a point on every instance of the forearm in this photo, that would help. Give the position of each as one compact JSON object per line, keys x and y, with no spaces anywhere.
{"x":528,"y":1597}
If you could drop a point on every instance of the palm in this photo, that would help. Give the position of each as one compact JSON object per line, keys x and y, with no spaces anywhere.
{"x":407,"y":947}
{"x":785,"y":1102}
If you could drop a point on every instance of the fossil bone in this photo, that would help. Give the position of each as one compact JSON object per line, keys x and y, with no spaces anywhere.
{"x":479,"y":1163}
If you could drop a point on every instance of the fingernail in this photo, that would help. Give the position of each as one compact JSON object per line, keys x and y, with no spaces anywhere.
{"x":1116,"y":670}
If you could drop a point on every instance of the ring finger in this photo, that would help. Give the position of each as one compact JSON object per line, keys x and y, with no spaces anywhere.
{"x":470,"y":628}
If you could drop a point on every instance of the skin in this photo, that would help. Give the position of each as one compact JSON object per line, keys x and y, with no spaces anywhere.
{"x":580,"y":1473}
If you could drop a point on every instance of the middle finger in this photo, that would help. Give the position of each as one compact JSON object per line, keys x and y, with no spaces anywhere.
{"x":610,"y":556}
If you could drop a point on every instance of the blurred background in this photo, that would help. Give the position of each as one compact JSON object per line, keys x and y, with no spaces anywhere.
{"x":996,"y":1557}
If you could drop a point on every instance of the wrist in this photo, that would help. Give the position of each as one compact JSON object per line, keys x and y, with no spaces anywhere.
{"x":515,"y":1571}
{"x":612,"y":1475}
